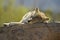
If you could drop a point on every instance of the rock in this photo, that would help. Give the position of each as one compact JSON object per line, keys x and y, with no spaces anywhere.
{"x":38,"y":31}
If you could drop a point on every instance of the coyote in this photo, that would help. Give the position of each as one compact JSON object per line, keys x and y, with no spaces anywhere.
{"x":32,"y":17}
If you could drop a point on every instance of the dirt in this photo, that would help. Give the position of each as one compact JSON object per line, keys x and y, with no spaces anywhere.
{"x":39,"y":31}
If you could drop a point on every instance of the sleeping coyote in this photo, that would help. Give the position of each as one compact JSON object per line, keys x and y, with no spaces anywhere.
{"x":32,"y":17}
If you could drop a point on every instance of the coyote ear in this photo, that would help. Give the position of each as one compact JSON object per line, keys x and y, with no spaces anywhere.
{"x":36,"y":9}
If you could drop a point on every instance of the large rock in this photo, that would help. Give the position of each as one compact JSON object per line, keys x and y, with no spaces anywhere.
{"x":39,"y":31}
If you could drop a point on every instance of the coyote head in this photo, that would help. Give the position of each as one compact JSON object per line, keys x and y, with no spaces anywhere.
{"x":39,"y":17}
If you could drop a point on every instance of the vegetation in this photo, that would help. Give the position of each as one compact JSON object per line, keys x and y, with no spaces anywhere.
{"x":11,"y":12}
{"x":53,"y":16}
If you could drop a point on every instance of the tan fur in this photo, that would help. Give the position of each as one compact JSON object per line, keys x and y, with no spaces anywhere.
{"x":41,"y":17}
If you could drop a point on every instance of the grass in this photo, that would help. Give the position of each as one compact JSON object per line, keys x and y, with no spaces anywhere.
{"x":12,"y":15}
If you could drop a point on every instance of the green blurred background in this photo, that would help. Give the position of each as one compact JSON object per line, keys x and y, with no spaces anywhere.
{"x":10,"y":13}
{"x":14,"y":13}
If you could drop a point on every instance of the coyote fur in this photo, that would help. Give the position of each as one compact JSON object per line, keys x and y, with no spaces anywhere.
{"x":32,"y":17}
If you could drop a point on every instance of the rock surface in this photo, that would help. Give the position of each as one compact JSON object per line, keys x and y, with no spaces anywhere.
{"x":39,"y":31}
